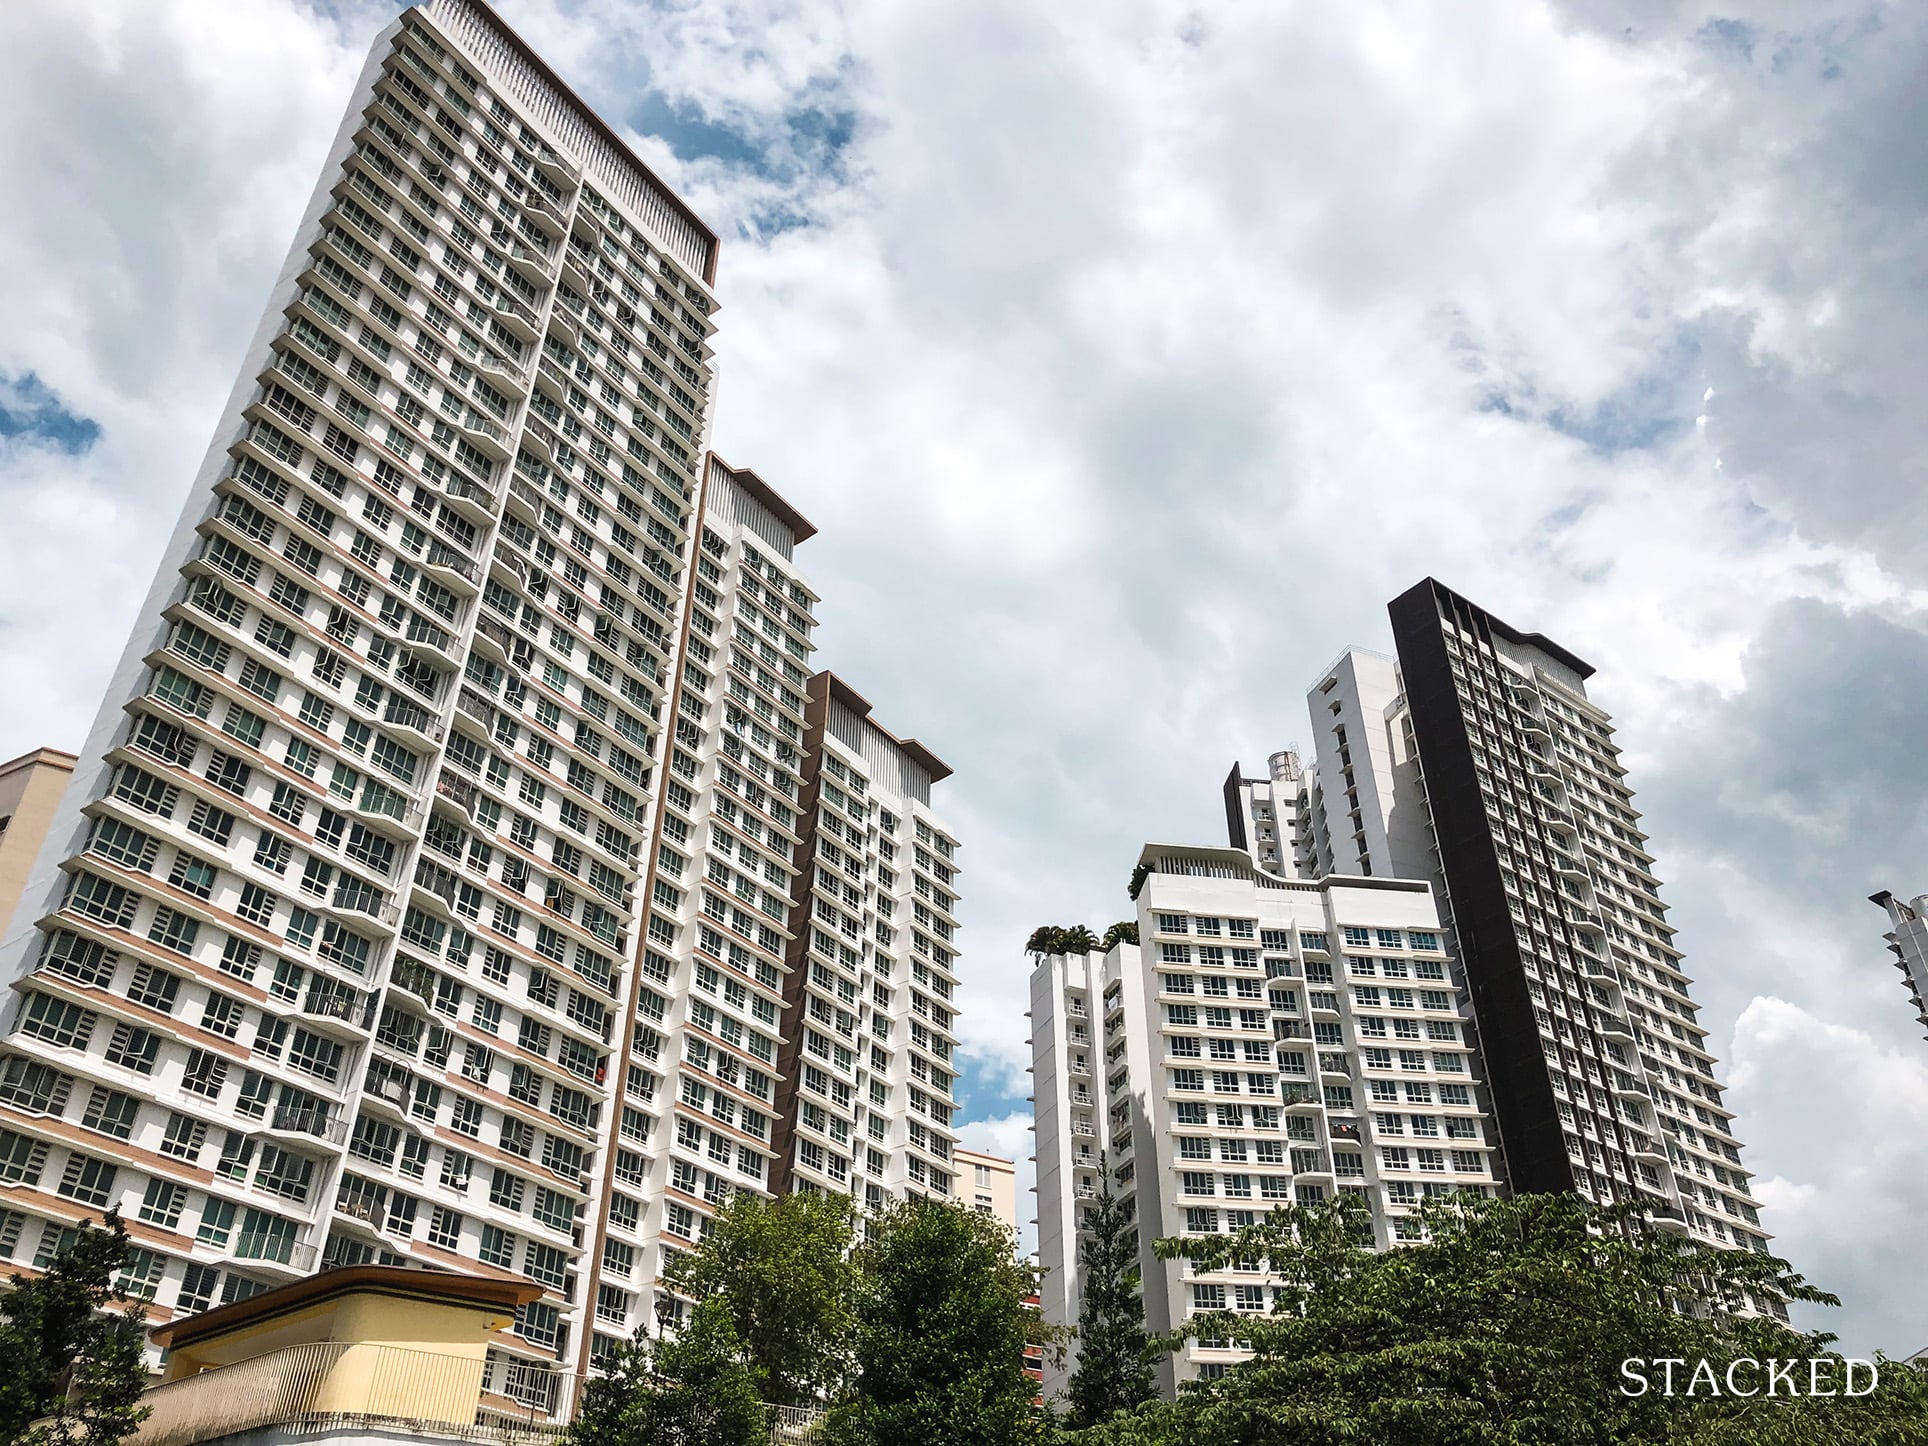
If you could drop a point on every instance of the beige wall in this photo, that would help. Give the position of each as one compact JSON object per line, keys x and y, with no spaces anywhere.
{"x":998,"y":1190}
{"x":30,"y":789}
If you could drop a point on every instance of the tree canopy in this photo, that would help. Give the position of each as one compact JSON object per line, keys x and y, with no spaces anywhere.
{"x":1049,"y":939}
{"x":943,"y":1325}
{"x":692,"y":1387}
{"x":1506,"y":1326}
{"x":783,"y":1270}
{"x":68,"y":1360}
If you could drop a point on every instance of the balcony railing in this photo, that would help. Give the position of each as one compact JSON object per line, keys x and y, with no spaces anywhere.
{"x":344,"y":1383}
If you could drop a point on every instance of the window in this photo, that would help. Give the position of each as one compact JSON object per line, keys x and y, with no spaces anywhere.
{"x":88,"y":1180}
{"x":22,"y":1157}
{"x":174,"y":930}
{"x":155,"y":988}
{"x":111,"y":1112}
{"x":56,"y":1021}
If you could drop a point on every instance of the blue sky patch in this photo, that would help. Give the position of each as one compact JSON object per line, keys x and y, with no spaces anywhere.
{"x":30,"y":410}
{"x":980,"y":1091}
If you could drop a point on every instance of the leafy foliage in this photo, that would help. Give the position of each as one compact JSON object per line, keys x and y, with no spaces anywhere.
{"x":942,"y":1329}
{"x":1506,"y":1327}
{"x":67,"y":1361}
{"x":1114,"y":1370}
{"x":1125,"y":931}
{"x":1049,"y":939}
{"x":782,"y":1268}
{"x":691,"y":1388}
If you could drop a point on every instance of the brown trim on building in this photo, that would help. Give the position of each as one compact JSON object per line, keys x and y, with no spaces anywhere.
{"x":504,"y":1294}
{"x":816,"y":717}
{"x":800,"y":526}
{"x":837,"y":688}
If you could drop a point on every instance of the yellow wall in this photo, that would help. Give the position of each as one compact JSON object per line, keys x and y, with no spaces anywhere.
{"x":29,"y":792}
{"x":419,"y":1359}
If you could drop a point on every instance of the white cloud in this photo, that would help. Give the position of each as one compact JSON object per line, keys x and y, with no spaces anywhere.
{"x":1131,"y":357}
{"x":1859,"y":1181}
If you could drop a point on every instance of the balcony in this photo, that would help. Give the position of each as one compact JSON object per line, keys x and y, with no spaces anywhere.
{"x":551,"y":163}
{"x":259,"y":1248}
{"x":541,"y":210}
{"x":404,"y":713}
{"x":1298,"y":1095}
{"x":440,"y":882}
{"x":473,"y":497}
{"x":564,"y":327}
{"x":1668,"y":1216}
{"x":382,"y":805}
{"x":304,"y":1126}
{"x":447,"y":563}
{"x":486,"y":436}
{"x":458,"y":791}
{"x":502,"y":374}
{"x":530,"y":264}
{"x":493,"y":639}
{"x":345,"y":1008}
{"x":391,"y":1090}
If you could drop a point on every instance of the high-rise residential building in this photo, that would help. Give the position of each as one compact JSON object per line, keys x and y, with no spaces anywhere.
{"x":30,"y":789}
{"x":987,"y":1183}
{"x":1477,"y":761}
{"x":432,"y":886}
{"x":869,"y":1068}
{"x":1908,"y":942}
{"x":1271,"y":1040}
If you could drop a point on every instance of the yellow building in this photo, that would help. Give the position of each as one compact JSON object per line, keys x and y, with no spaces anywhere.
{"x":986,"y":1182}
{"x":30,"y":789}
{"x":386,"y":1353}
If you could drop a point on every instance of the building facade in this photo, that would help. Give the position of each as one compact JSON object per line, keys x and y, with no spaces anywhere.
{"x":1270,"y":1041}
{"x":1908,"y":942}
{"x":30,"y":790}
{"x":868,"y":1069}
{"x":1476,"y":760}
{"x":426,"y":888}
{"x":987,"y":1183}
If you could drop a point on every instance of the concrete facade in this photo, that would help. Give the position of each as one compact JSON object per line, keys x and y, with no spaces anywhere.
{"x":1270,"y":1041}
{"x":30,"y":790}
{"x":438,"y":875}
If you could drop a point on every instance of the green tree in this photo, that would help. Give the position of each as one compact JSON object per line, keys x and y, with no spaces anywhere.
{"x":690,"y":1388}
{"x":1125,"y":931}
{"x":1043,"y":940}
{"x":1114,"y":1370}
{"x":1078,"y":939}
{"x":943,"y":1327}
{"x":1073,"y":939}
{"x":783,"y":1270}
{"x":1508,"y":1324}
{"x":67,"y":1360}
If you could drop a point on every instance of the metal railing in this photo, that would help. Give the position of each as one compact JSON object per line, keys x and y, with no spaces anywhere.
{"x":343,"y":1382}
{"x":351,"y":1383}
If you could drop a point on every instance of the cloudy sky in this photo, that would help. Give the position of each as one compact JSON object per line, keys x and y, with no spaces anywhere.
{"x":1131,"y":355}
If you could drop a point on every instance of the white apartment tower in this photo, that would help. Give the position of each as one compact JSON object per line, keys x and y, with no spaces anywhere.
{"x":1476,"y":761}
{"x":1271,"y":1040}
{"x":425,"y":888}
{"x":1908,"y":942}
{"x":869,"y":1069}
